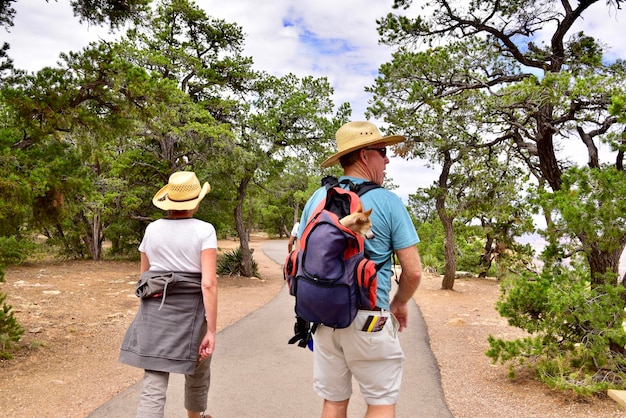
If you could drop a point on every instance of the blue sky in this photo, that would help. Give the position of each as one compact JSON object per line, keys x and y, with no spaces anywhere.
{"x":336,"y":39}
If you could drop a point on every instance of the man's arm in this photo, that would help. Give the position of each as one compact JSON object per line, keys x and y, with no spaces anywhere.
{"x":410,"y":278}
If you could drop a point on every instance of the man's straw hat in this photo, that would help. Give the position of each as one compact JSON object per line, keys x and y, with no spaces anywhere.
{"x":355,"y":135}
{"x":182,"y":192}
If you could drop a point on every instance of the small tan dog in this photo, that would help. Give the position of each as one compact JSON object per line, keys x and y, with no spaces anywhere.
{"x":359,"y":222}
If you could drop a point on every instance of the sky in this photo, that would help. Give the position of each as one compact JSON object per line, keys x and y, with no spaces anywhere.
{"x":336,"y":39}
{"x":332,"y":39}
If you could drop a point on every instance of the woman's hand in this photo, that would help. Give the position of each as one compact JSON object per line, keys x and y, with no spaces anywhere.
{"x":207,"y":345}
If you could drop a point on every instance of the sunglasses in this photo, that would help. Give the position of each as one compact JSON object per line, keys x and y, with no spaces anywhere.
{"x":383,"y":151}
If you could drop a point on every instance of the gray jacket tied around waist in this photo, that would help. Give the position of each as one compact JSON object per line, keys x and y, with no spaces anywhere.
{"x":166,"y":332}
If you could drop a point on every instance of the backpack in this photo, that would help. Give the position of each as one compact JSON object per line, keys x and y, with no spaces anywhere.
{"x":330,"y":275}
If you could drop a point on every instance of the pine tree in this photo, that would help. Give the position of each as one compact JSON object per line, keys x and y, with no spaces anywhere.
{"x":10,"y":330}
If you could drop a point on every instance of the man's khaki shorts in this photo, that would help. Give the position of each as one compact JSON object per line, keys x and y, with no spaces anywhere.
{"x":369,"y":350}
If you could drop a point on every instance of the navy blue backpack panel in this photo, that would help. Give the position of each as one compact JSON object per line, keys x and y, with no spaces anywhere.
{"x":329,"y":274}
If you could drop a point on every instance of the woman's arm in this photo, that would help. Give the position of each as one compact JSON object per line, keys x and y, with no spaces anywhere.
{"x":209,"y":297}
{"x":145,"y":263}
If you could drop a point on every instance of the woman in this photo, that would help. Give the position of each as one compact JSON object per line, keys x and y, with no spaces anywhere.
{"x":174,"y":329}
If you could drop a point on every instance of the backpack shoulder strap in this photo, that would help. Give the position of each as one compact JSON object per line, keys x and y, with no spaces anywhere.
{"x":329,"y":182}
{"x":365,"y":187}
{"x":361,"y":188}
{"x":337,"y":199}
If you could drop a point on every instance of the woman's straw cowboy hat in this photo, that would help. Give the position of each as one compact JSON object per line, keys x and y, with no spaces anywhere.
{"x":182,"y":192}
{"x":355,"y":135}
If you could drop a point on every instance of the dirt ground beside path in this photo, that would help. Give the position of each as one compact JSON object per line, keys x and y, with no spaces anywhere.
{"x":75,"y":315}
{"x":459,"y":323}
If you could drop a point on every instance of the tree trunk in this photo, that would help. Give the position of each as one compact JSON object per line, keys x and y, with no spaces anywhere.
{"x":249,"y":216}
{"x":450,"y":252}
{"x":63,"y":238}
{"x":246,"y":254}
{"x":602,"y":262}
{"x":548,"y":163}
{"x":92,"y":235}
{"x":96,"y":230}
{"x":296,"y":211}
{"x":486,"y":257}
{"x":449,"y":244}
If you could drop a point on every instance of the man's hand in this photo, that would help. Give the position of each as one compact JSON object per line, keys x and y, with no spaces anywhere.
{"x":401,"y":312}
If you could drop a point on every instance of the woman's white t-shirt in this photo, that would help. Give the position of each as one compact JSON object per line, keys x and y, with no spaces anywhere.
{"x":176,"y":244}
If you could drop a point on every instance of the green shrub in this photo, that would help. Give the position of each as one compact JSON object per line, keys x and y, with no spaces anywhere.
{"x":10,"y":331}
{"x":14,"y":251}
{"x":230,"y":264}
{"x":576,"y":338}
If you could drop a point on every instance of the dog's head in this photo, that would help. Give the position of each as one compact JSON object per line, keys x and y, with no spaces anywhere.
{"x":359,"y":222}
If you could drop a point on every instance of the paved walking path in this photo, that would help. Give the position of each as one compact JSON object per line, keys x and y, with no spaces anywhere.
{"x":255,"y":373}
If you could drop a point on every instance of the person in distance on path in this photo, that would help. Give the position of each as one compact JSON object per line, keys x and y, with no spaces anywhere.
{"x":293,"y":237}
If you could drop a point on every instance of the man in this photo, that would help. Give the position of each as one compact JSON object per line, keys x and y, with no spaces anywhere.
{"x":375,"y":360}
{"x":293,"y":237}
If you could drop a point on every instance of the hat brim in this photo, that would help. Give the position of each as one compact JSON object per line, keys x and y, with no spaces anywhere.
{"x":388,"y":140}
{"x":167,"y":204}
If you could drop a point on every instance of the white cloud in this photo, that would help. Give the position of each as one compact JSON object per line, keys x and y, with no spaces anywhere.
{"x":409,"y":175}
{"x":332,"y":39}
{"x":42,"y":31}
{"x":605,"y":23}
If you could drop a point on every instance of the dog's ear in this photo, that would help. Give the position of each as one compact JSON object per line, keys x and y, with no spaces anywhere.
{"x":364,"y":217}
{"x":359,"y":208}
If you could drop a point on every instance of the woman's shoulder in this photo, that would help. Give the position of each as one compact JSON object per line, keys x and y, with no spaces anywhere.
{"x":203,"y":225}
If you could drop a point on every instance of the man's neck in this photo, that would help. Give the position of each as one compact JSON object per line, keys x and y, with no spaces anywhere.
{"x":359,"y":171}
{"x":356,"y":171}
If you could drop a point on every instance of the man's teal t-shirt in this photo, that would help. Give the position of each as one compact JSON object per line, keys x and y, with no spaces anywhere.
{"x":392,"y":227}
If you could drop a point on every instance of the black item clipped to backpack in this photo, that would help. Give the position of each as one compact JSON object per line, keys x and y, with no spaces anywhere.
{"x":303,"y":333}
